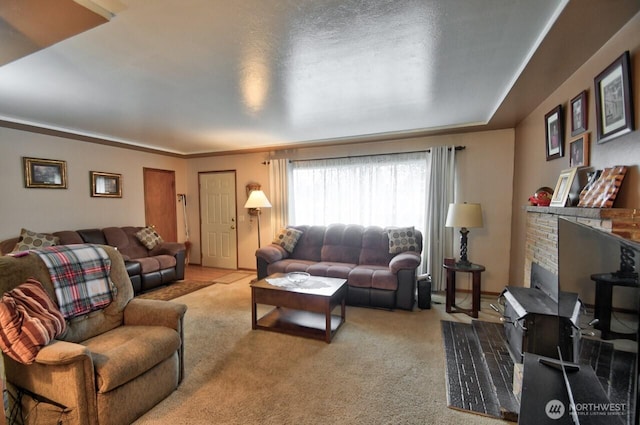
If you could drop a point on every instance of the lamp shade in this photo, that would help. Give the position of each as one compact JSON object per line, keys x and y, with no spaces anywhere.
{"x":257,"y":199}
{"x":464,"y":215}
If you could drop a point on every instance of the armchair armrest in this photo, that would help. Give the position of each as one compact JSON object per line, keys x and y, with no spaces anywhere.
{"x":154,"y":313}
{"x":404,"y":260}
{"x":167,"y":248}
{"x":56,"y":363}
{"x":272,"y":253}
{"x":62,"y":352}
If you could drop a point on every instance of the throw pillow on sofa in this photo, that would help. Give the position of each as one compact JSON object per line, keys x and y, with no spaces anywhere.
{"x":287,"y":238}
{"x":402,"y":239}
{"x":149,"y":237}
{"x":32,"y":240}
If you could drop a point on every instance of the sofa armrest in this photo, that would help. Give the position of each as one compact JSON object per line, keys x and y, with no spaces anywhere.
{"x":404,"y":260}
{"x":167,"y":248}
{"x":154,"y":313}
{"x":272,"y":253}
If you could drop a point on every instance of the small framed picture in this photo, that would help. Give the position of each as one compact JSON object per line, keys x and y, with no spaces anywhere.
{"x":47,"y":173}
{"x":579,"y":114}
{"x":105,"y":185}
{"x":563,"y":187}
{"x":579,"y":151}
{"x":614,"y":104}
{"x":554,"y":133}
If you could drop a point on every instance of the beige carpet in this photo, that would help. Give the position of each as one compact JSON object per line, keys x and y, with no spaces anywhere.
{"x":381,"y":368}
{"x":175,"y":290}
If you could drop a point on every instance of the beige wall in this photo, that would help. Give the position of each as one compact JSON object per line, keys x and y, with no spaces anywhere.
{"x":73,"y":208}
{"x":249,"y":168}
{"x":486,"y":169}
{"x":532,"y":169}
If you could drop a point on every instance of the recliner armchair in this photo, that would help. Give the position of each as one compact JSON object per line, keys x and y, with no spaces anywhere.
{"x":110,"y":366}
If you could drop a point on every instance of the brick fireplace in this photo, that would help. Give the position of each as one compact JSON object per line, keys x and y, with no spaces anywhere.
{"x":542,"y":231}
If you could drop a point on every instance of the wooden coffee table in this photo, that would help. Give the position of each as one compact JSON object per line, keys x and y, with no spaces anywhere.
{"x":305,"y":310}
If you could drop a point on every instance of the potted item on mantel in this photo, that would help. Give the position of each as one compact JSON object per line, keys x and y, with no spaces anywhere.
{"x":542,"y":197}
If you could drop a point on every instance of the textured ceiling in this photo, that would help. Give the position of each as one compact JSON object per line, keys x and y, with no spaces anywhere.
{"x":200,"y":76}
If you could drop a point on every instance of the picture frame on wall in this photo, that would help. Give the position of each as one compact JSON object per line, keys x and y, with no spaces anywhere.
{"x":579,"y":151}
{"x":563,"y":187}
{"x":614,"y":103}
{"x":554,"y":133}
{"x":579,"y":114}
{"x":105,"y":185}
{"x":45,"y":173}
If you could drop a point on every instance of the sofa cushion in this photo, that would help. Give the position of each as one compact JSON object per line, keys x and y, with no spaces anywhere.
{"x":289,"y":265}
{"x":287,"y":238}
{"x":93,"y":236}
{"x":70,"y":237}
{"x":377,"y":277}
{"x":127,"y":352}
{"x":149,"y":237}
{"x":329,"y":269}
{"x":33,"y":240}
{"x":309,"y":246}
{"x":342,"y":243}
{"x":402,"y":239}
{"x":148,"y":264}
{"x":124,"y":239}
{"x":375,"y":247}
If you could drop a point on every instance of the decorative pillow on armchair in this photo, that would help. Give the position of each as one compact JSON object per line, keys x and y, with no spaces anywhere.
{"x":402,"y":239}
{"x":149,"y":237}
{"x":32,"y":240}
{"x":29,"y":320}
{"x":287,"y":238}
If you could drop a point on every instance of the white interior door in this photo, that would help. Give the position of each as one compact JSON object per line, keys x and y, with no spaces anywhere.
{"x":218,"y":233}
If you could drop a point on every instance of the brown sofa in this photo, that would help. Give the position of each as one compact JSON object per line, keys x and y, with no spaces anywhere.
{"x":147,"y":268}
{"x":375,"y":277}
{"x":110,"y":366}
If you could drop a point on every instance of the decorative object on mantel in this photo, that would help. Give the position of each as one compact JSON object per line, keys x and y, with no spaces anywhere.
{"x":579,"y":151}
{"x":554,"y":133}
{"x":542,"y":197}
{"x":563,"y":187}
{"x":579,"y":114}
{"x":603,"y":192}
{"x":614,"y":102}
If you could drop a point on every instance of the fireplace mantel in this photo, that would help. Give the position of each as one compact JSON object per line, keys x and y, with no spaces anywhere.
{"x":542,"y":230}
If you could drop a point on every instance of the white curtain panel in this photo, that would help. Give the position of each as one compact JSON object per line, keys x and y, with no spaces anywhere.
{"x":380,"y":190}
{"x":440,"y":193}
{"x":278,"y":184}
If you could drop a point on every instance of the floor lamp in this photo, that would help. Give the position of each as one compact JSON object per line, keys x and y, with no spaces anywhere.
{"x":257,"y":200}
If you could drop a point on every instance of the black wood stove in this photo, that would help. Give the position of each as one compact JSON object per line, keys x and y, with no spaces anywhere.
{"x":533,"y":322}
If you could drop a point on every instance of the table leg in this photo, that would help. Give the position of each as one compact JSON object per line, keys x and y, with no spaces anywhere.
{"x":254,"y":313}
{"x":327,"y":313}
{"x":451,"y":290}
{"x":475,"y":307}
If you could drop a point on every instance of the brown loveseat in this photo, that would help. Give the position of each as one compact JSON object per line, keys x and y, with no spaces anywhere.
{"x":375,"y":277}
{"x":110,"y":366}
{"x":147,"y":268}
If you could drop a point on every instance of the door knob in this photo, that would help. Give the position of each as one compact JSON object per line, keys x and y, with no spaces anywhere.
{"x":233,"y":227}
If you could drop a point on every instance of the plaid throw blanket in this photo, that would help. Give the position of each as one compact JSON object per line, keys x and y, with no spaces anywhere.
{"x":80,"y":276}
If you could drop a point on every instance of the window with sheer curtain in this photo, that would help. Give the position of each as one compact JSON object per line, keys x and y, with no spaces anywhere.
{"x":381,"y":190}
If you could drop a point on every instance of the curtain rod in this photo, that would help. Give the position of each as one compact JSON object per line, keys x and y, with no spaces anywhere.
{"x":458,"y":148}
